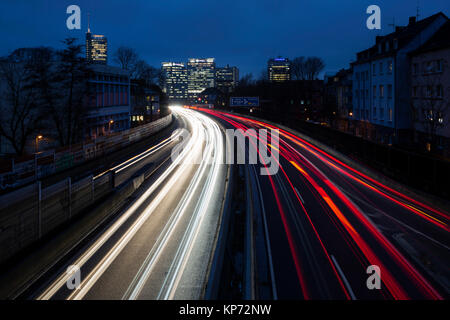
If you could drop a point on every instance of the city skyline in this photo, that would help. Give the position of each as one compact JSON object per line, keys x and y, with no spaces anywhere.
{"x":252,"y":153}
{"x":210,"y":34}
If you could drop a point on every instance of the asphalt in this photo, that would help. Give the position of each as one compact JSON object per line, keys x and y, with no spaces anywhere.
{"x":160,"y":245}
{"x":327,"y":223}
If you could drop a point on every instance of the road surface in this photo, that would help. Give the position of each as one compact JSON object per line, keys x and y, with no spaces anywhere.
{"x":325,"y":223}
{"x":159,"y":247}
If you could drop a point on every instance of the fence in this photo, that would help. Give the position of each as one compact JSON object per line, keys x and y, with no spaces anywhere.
{"x":20,"y":171}
{"x":418,"y":170}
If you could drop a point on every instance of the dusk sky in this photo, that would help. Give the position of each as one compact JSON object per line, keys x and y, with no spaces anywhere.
{"x":244,"y":33}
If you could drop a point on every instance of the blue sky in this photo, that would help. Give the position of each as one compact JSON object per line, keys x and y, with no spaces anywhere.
{"x":244,"y":33}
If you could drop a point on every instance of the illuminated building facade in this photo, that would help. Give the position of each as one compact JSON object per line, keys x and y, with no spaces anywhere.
{"x":175,"y":80}
{"x":279,"y":70}
{"x":109,"y":106}
{"x":227,"y":79}
{"x":201,"y":75}
{"x":96,"y":48}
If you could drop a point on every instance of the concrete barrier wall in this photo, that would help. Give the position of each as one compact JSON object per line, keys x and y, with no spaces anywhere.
{"x":31,"y":212}
{"x":20,"y":171}
{"x":28,"y":214}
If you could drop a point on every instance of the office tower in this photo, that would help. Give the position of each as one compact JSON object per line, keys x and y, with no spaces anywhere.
{"x":175,"y":80}
{"x":227,"y":78}
{"x":201,"y":75}
{"x":279,"y":69}
{"x":96,"y":48}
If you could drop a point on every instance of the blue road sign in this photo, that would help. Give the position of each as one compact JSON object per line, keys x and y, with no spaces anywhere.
{"x":244,"y":101}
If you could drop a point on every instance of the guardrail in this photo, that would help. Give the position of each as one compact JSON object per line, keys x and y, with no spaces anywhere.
{"x":23,"y":170}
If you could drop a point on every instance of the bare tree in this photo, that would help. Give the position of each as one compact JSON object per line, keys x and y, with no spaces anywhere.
{"x":313,"y":66}
{"x":146,"y":72}
{"x":126,"y":57}
{"x":69,"y":95}
{"x":263,"y":76}
{"x":298,"y":68}
{"x":246,"y":80}
{"x":20,"y":114}
{"x":306,"y":68}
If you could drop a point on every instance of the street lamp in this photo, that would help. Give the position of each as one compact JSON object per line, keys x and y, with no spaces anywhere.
{"x":109,"y":125}
{"x":39,"y":137}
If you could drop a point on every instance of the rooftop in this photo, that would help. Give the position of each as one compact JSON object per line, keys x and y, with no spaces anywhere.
{"x":440,"y":40}
{"x":394,"y":41}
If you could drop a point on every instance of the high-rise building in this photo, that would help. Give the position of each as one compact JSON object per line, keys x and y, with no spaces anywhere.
{"x":279,"y":69}
{"x":96,"y":48}
{"x":227,"y":78}
{"x":201,"y":75}
{"x":175,"y":80}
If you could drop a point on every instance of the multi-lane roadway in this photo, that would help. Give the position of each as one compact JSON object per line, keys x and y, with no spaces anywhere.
{"x":160,"y":246}
{"x":327,"y":223}
{"x":323,"y":229}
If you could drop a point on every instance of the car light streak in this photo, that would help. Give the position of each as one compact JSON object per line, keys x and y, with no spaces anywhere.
{"x":384,"y":189}
{"x":177,"y":166}
{"x":314,"y":175}
{"x":213,"y":149}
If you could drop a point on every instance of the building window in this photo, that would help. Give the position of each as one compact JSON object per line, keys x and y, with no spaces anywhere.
{"x":438,"y":65}
{"x":390,"y":67}
{"x":381,"y":113}
{"x":416,"y":68}
{"x":374,"y":71}
{"x":429,"y":67}
{"x":381,"y":67}
{"x":374,"y":92}
{"x":390,"y":114}
{"x":381,"y":91}
{"x":429,"y":91}
{"x":439,"y":91}
{"x":389,"y":90}
{"x":374,"y":113}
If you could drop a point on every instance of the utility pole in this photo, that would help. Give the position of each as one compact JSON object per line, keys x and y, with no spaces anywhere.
{"x":392,"y":24}
{"x":417,"y":12}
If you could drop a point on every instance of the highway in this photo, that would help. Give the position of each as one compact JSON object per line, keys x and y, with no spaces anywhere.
{"x":159,"y":246}
{"x":325,"y":223}
{"x":317,"y":225}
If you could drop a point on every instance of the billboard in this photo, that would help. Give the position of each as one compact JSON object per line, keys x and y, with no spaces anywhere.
{"x":244,"y":101}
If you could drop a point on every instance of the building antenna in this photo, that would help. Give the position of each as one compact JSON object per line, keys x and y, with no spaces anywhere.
{"x":89,"y":26}
{"x":417,"y":12}
{"x":392,"y":24}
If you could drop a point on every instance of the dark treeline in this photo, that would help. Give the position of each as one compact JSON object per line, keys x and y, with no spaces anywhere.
{"x":47,"y":90}
{"x":43,"y":88}
{"x":128,"y":59}
{"x":302,"y":97}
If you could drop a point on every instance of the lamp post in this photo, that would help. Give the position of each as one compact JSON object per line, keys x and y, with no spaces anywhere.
{"x":109,"y":125}
{"x":39,"y":137}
